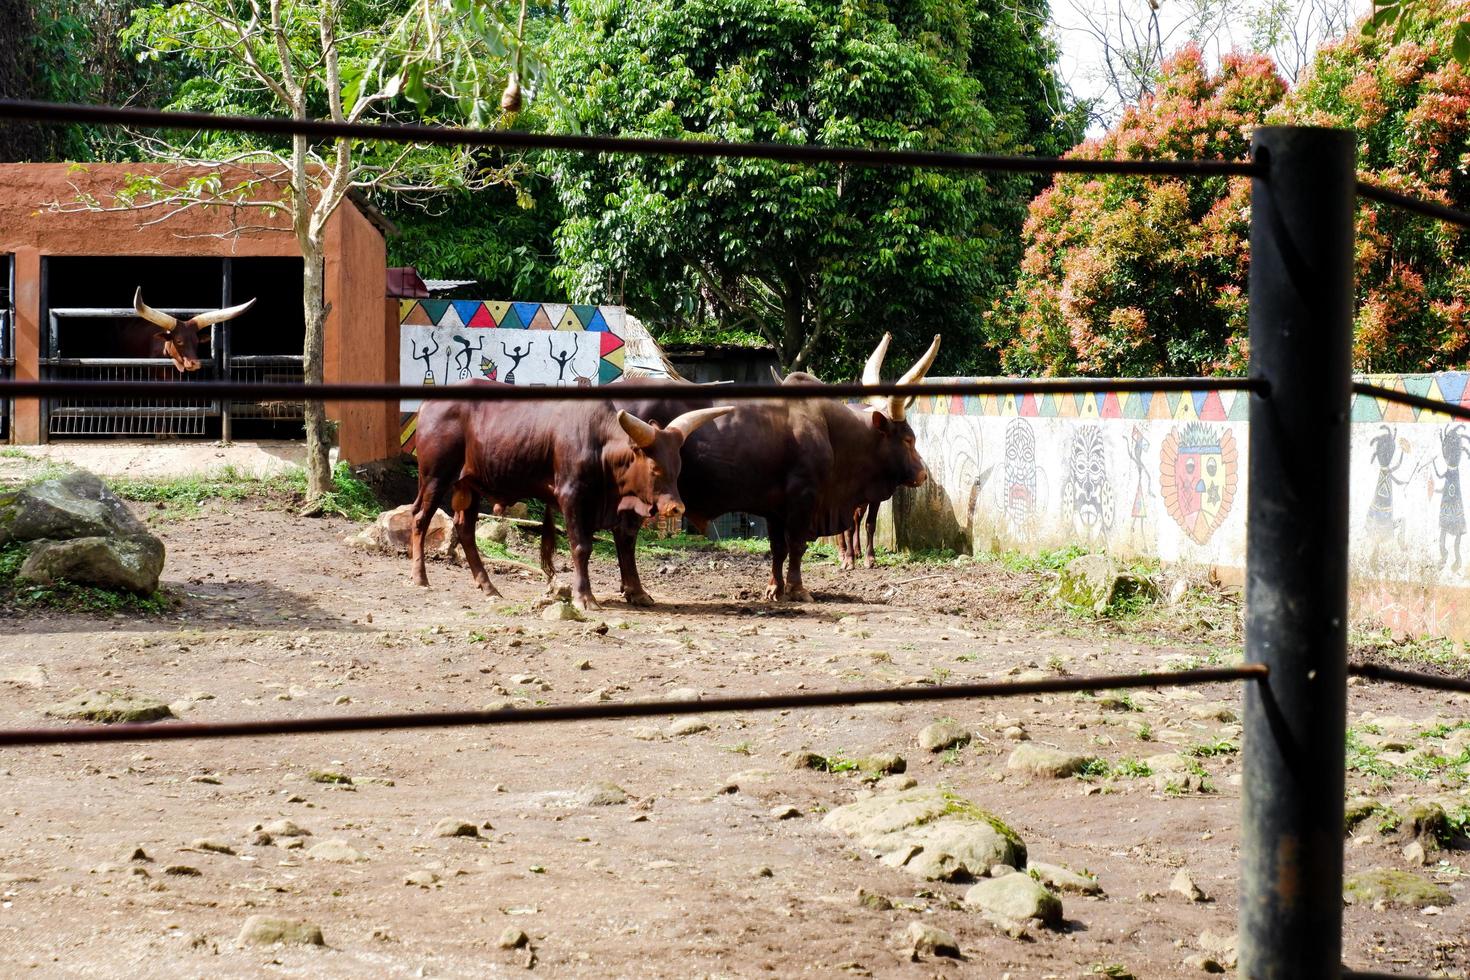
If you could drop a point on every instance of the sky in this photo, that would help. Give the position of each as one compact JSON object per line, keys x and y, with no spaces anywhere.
{"x":1075,"y":24}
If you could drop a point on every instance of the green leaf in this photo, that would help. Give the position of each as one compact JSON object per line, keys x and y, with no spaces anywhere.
{"x":1460,"y":48}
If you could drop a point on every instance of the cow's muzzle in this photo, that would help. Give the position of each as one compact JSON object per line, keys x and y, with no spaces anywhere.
{"x":670,"y":508}
{"x":920,"y":478}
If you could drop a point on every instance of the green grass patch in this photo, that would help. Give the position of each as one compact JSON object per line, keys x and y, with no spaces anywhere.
{"x":186,"y":496}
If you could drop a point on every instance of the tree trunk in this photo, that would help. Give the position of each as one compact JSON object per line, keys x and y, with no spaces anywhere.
{"x":318,"y":441}
{"x":793,"y":325}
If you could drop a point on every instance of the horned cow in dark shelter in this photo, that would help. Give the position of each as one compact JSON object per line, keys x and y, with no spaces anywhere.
{"x":586,"y":458}
{"x":802,"y":465}
{"x":175,"y":339}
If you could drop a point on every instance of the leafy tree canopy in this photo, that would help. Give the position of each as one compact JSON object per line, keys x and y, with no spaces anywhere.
{"x":819,"y":260}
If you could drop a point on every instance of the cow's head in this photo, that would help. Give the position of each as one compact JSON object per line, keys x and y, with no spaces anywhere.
{"x":648,"y":482}
{"x":896,"y":454}
{"x":181,"y":337}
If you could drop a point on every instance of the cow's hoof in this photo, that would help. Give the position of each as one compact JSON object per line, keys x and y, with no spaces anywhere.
{"x":586,"y":604}
{"x":638,"y":598}
{"x":773,"y":594}
{"x":798,"y":593}
{"x":488,"y":587}
{"x":870,"y":562}
{"x":421,"y":580}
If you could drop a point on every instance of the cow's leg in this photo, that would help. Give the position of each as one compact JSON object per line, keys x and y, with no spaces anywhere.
{"x":776,"y":531}
{"x":795,"y":591}
{"x":625,"y":535}
{"x":871,"y":525}
{"x":846,"y":544}
{"x":430,"y":489}
{"x":579,"y":536}
{"x":548,"y":547}
{"x":466,"y":506}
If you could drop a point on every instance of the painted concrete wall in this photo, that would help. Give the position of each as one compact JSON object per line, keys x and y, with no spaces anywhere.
{"x":1164,"y":475}
{"x":444,"y":342}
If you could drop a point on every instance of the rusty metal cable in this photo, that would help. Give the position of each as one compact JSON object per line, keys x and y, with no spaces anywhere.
{"x":1413,"y":678}
{"x":610,"y":711}
{"x":1430,"y":209}
{"x":1418,"y":401}
{"x":623,"y":391}
{"x":57,"y":113}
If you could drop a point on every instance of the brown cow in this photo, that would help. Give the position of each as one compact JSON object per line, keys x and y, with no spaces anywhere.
{"x":586,"y":458}
{"x":802,"y":465}
{"x":177,"y":340}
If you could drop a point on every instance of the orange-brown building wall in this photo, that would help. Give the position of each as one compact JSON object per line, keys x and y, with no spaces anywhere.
{"x":355,"y":288}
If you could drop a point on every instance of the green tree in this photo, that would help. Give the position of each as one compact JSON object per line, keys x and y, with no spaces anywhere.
{"x":818,"y":259}
{"x":1131,"y":276}
{"x":339,"y":60}
{"x":1407,"y":96}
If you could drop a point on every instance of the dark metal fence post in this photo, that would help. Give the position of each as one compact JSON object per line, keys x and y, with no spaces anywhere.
{"x":1301,"y":299}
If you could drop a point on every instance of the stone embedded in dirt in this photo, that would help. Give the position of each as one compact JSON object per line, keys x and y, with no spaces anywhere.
{"x":217,"y":847}
{"x":451,"y":827}
{"x":391,"y":532}
{"x":1001,"y":870}
{"x":262,"y":839}
{"x":372,"y":781}
{"x":941,"y":735}
{"x":133,"y":853}
{"x":1093,"y":582}
{"x":601,"y":794}
{"x":563,"y":612}
{"x":923,"y":939}
{"x":930,"y":833}
{"x":1395,"y":889}
{"x":785,"y":813}
{"x":883,"y":763}
{"x":895,"y":784}
{"x":1414,"y":855}
{"x":1183,"y":883}
{"x":1061,"y":879}
{"x":512,"y":938}
{"x":423,"y":879}
{"x":131,"y":563}
{"x":582,"y":665}
{"x":182,"y":871}
{"x":646,"y":733}
{"x":1213,"y":711}
{"x":688,"y":725}
{"x":873,"y":901}
{"x":267,"y":930}
{"x":1016,"y":897}
{"x":1221,"y":947}
{"x":111,"y":706}
{"x":1426,"y":822}
{"x":1014,"y":733}
{"x":285,"y":828}
{"x":1037,"y":760}
{"x":336,"y":850}
{"x":807,"y":760}
{"x":1204,"y":963}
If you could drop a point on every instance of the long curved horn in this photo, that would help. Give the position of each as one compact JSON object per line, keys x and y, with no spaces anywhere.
{"x":148,"y":313}
{"x":689,"y":421}
{"x":219,"y":316}
{"x":776,"y":375}
{"x":873,"y":371}
{"x":638,"y":430}
{"x":913,"y":375}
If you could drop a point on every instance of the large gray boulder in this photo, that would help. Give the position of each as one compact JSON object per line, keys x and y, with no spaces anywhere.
{"x":79,"y":531}
{"x":930,"y":833}
{"x":1094,"y":583}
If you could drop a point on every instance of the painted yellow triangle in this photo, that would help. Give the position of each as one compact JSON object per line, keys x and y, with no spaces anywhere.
{"x":1185,"y":412}
{"x":616,"y":357}
{"x":569,"y":321}
{"x":497,"y":309}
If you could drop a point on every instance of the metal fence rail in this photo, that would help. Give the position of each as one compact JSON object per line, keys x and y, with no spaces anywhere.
{"x":1303,"y":192}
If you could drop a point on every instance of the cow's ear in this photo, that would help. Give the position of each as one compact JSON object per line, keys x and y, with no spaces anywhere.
{"x":879,"y":420}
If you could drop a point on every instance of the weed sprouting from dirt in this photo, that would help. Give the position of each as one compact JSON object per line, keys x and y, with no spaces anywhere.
{"x":185,"y":496}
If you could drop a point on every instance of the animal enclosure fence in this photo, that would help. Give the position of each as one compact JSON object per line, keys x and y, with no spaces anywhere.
{"x":1304,"y":193}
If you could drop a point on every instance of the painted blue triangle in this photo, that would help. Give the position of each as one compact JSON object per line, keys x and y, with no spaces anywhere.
{"x":527,"y":312}
{"x":1145,"y":397}
{"x":1452,"y":385}
{"x":1418,"y":384}
{"x":597,"y":323}
{"x":1199,"y":400}
{"x":466,"y":308}
{"x":1101,"y":397}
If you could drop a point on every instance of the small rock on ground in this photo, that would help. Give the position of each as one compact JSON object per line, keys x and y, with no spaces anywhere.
{"x":601,"y":794}
{"x":336,"y":850}
{"x":1062,"y":879}
{"x":451,"y":827}
{"x":922,"y":938}
{"x":1016,"y":897}
{"x":1183,"y":883}
{"x":562,"y":612}
{"x":1394,"y":888}
{"x":265,"y":930}
{"x":285,"y":828}
{"x":1038,"y":760}
{"x":111,"y":706}
{"x":942,"y":735}
{"x":688,"y":725}
{"x":512,"y":938}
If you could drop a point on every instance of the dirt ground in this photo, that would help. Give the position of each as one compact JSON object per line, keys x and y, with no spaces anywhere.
{"x":693,"y":876}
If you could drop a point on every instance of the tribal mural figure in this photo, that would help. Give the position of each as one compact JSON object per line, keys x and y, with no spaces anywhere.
{"x":424,"y":355}
{"x":1019,"y":490}
{"x":1388,"y":456}
{"x":562,"y":358}
{"x":1087,"y":493}
{"x":1143,"y":484}
{"x":1451,"y":501}
{"x":464,"y":355}
{"x":516,"y":354}
{"x":1197,"y":475}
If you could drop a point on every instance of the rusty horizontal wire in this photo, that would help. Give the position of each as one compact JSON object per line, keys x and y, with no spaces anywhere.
{"x":1430,"y":209}
{"x":1413,"y":678}
{"x":1418,"y":401}
{"x":623,"y":391}
{"x":609,"y":711}
{"x":515,"y":140}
